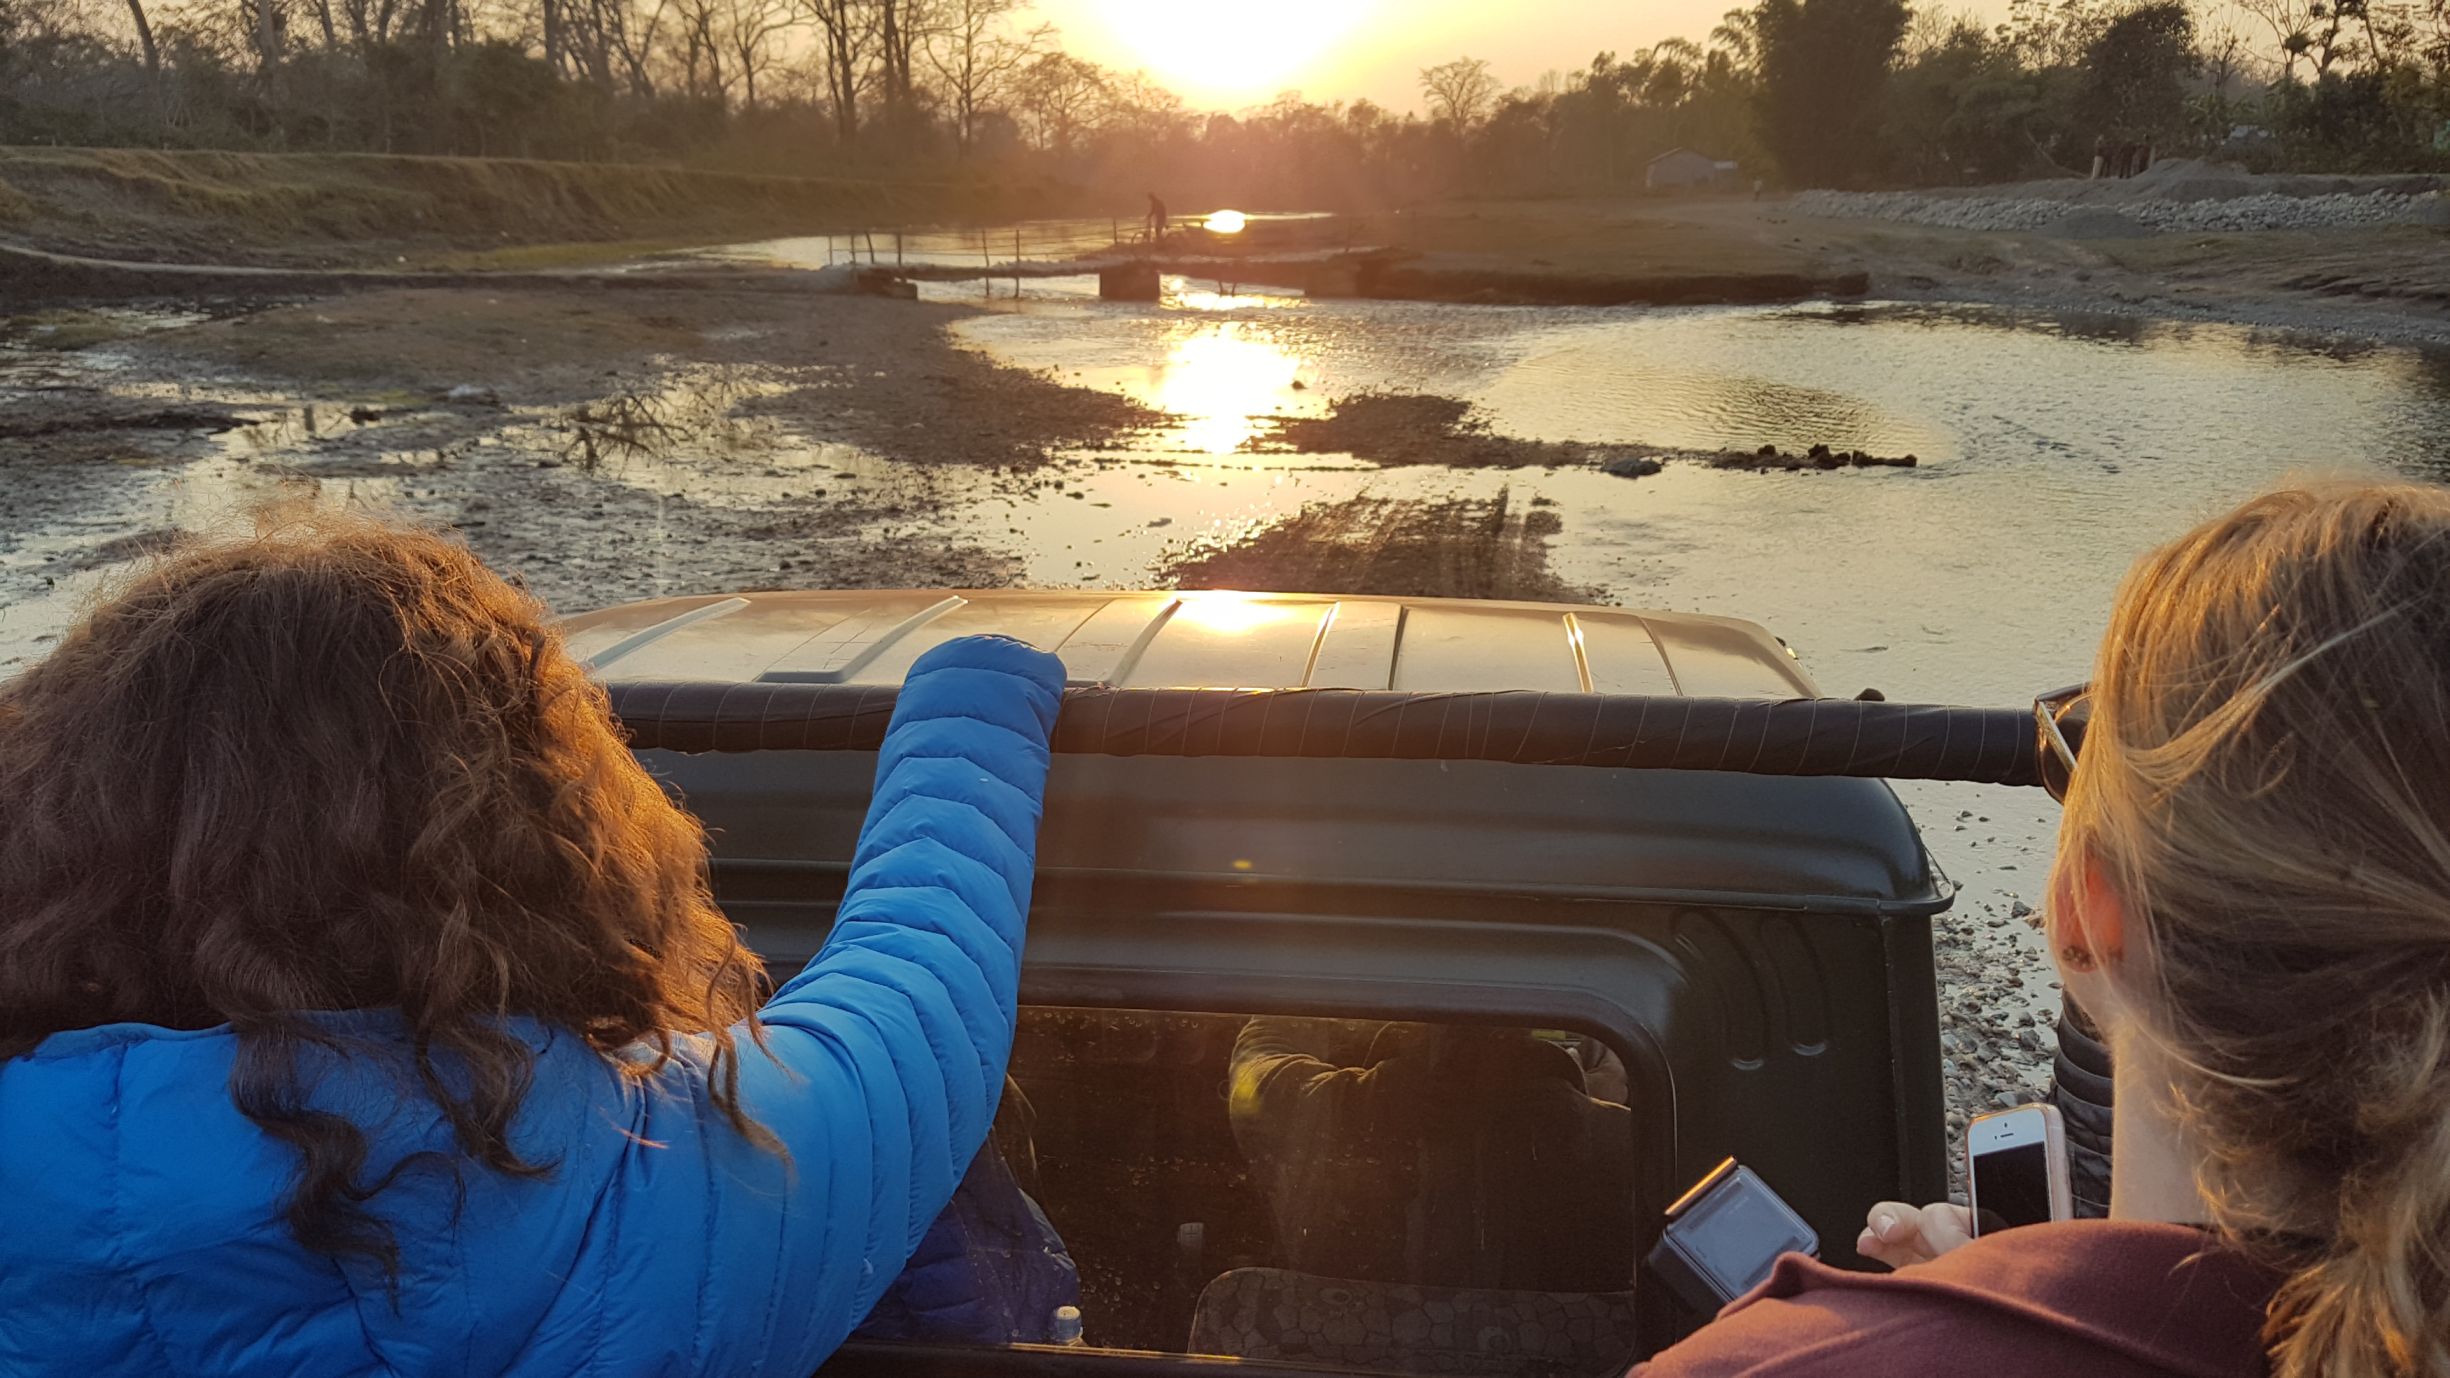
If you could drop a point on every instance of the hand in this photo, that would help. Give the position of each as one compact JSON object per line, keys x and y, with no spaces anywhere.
{"x":1901,"y":1236}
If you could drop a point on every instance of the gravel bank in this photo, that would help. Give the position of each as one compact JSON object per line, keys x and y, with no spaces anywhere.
{"x":2262,"y":211}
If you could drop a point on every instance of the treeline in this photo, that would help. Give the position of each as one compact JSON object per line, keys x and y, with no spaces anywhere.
{"x":1800,"y":92}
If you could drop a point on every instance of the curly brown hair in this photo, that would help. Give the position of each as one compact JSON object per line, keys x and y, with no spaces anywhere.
{"x":344,"y":766}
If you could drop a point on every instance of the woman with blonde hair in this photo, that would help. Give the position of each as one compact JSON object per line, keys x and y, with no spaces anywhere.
{"x":364,"y":1009}
{"x":2253,"y":895}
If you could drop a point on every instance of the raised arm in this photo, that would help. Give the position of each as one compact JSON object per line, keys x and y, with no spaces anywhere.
{"x":888,"y":1050}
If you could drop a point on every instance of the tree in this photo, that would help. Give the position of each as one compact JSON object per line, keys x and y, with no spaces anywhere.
{"x":1824,"y":73}
{"x":1738,"y":36}
{"x":144,"y":36}
{"x":2136,"y":72}
{"x":844,"y":28}
{"x":1459,"y":92}
{"x":1058,"y":96}
{"x":750,"y":28}
{"x":2293,"y":24}
{"x":975,"y":59}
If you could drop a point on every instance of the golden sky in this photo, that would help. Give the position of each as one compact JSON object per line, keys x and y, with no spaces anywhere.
{"x":1232,"y":53}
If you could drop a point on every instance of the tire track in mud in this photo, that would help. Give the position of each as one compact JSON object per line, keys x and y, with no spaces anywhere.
{"x":1425,"y":548}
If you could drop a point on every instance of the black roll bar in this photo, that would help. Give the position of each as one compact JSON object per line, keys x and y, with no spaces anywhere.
{"x":1872,"y":739}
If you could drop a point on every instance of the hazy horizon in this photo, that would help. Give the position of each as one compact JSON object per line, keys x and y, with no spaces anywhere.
{"x":1247,"y":52}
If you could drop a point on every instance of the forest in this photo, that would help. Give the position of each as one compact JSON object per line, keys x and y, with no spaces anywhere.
{"x":1797,"y":92}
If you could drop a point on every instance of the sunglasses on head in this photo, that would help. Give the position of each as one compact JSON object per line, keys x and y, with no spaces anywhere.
{"x":2060,"y":717}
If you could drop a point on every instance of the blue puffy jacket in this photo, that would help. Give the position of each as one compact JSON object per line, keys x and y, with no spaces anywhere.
{"x":140,"y":1213}
{"x":991,"y":1270}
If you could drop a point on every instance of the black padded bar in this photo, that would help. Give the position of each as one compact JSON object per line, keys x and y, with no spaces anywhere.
{"x":1894,"y":741}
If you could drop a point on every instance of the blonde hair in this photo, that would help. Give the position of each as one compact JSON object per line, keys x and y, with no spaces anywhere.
{"x":2267,"y":783}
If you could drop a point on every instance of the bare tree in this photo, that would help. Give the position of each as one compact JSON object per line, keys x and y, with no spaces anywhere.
{"x":1059,"y":95}
{"x":144,"y":37}
{"x":902,"y":26}
{"x":2224,"y":61}
{"x":750,"y":30}
{"x":844,"y":27}
{"x":268,"y":33}
{"x":975,"y":58}
{"x":636,"y":47}
{"x":701,"y":49}
{"x":1459,"y":92}
{"x":2292,"y":24}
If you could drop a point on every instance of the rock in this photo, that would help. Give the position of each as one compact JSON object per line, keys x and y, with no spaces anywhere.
{"x":472,"y":395}
{"x":1130,"y":282}
{"x":2192,"y":199}
{"x":1632,"y":466}
{"x":883,"y":282}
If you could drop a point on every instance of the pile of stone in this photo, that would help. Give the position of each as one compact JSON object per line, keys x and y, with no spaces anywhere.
{"x":1768,"y":457}
{"x":2260,"y":211}
{"x":1818,"y":457}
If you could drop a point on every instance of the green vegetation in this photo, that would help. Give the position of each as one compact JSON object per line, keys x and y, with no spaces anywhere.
{"x":1823,"y":69}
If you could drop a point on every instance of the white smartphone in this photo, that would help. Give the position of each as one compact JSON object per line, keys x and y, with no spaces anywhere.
{"x":2016,"y":1169}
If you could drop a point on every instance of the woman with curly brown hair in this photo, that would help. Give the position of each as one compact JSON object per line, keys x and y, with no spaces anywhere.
{"x":2252,"y":894}
{"x":363,"y":1006}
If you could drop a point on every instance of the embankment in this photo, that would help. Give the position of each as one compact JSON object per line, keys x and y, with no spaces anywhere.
{"x":340,"y":209}
{"x":1431,"y":279}
{"x":1405,"y":275}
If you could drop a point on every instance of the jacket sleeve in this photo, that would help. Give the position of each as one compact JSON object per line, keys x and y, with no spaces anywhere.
{"x":885,"y":1055}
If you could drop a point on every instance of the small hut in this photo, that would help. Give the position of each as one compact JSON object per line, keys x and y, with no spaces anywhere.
{"x":1681,"y":169}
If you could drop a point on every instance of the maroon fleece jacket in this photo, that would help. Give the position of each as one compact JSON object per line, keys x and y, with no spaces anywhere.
{"x":2096,"y":1298}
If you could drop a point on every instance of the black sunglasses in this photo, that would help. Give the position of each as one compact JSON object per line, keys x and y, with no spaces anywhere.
{"x":2060,"y":717}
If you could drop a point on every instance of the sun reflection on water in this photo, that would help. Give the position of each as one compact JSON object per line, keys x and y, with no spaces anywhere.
{"x":1192,"y":298}
{"x":1223,"y":381}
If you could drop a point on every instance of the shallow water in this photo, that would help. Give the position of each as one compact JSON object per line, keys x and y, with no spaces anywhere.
{"x":1036,"y":241}
{"x":2055,"y":451}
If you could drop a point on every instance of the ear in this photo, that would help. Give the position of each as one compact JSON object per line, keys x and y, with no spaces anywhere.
{"x":2086,"y":909}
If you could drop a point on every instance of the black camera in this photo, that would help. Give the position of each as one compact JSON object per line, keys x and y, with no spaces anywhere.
{"x":1724,"y":1236}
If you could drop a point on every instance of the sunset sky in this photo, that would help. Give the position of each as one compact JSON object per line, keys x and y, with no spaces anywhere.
{"x":1232,"y":53}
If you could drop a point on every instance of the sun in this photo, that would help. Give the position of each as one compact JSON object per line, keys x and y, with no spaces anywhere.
{"x":1233,"y":54}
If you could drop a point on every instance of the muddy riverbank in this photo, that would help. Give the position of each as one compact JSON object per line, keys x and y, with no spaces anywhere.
{"x":602,"y":447}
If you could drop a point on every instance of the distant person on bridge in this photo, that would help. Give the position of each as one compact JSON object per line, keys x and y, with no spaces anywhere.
{"x":1157,"y":219}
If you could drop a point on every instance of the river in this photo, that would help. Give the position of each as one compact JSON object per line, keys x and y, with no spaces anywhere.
{"x":2053,"y":451}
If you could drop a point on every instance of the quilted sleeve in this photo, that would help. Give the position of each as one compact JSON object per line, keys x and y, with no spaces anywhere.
{"x":888,"y":1050}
